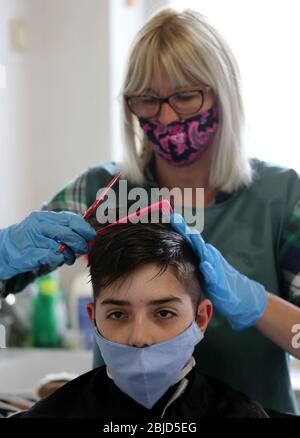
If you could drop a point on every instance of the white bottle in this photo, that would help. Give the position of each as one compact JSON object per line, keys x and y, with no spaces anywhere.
{"x":81,"y":294}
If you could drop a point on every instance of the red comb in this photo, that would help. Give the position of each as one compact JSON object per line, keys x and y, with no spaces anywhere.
{"x":164,"y":206}
{"x":95,"y":204}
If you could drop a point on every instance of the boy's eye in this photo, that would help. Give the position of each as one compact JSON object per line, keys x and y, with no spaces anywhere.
{"x":165,"y":314}
{"x":115,"y":315}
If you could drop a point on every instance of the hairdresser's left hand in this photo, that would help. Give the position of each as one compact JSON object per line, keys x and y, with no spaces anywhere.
{"x":240,"y":300}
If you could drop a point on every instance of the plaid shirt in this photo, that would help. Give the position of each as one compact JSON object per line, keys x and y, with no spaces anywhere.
{"x":290,"y":255}
{"x":73,"y":197}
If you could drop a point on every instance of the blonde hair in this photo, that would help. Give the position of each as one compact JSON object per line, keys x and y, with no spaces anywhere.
{"x":191,"y":51}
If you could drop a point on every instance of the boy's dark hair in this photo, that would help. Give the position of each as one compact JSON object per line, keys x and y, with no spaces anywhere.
{"x":125,"y":247}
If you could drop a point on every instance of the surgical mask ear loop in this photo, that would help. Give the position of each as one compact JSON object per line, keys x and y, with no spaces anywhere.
{"x":95,"y":323}
{"x":197,"y":305}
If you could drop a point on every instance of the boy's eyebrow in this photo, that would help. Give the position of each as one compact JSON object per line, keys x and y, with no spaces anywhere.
{"x":165,"y":300}
{"x":152,"y":302}
{"x":115,"y":302}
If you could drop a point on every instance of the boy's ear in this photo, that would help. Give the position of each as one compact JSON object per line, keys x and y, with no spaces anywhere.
{"x":90,"y":308}
{"x":204,"y":314}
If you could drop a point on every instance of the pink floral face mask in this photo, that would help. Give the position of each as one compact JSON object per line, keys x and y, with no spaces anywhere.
{"x":182,"y":143}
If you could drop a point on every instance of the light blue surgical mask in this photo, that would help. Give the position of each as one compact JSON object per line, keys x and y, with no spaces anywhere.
{"x":146,"y":373}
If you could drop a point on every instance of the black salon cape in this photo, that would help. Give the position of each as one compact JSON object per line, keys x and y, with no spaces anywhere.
{"x":94,"y":395}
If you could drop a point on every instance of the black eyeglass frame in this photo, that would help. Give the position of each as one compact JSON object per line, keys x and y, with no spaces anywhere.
{"x":162,"y":100}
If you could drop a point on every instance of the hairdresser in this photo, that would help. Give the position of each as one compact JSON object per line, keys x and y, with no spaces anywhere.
{"x":184,"y":127}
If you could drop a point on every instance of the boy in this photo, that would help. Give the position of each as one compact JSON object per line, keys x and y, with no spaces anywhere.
{"x":148,"y":313}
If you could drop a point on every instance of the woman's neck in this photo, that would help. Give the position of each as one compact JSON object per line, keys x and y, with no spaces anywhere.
{"x":193,"y":176}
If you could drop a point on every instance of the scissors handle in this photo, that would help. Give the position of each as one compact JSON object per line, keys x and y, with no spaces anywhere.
{"x":89,"y":212}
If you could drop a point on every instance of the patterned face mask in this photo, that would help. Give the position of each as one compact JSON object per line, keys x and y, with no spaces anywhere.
{"x":182,"y":143}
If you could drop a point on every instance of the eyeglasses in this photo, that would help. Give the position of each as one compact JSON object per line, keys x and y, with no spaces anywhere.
{"x":184,"y":103}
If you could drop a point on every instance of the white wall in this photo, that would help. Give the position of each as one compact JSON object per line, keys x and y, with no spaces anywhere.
{"x":13,"y":122}
{"x":69,"y":91}
{"x":55,"y":112}
{"x":56,"y":105}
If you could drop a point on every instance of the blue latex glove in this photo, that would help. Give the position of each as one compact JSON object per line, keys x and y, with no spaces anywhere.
{"x":240,"y":300}
{"x":35,"y":241}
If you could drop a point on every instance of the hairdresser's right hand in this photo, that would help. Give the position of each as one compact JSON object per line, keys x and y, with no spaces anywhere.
{"x":35,"y":241}
{"x":241,"y":300}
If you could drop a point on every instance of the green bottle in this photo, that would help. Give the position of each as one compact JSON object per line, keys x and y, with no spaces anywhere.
{"x":45,"y":330}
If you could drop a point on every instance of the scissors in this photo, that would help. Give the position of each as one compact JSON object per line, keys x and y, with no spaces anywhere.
{"x":89,"y":212}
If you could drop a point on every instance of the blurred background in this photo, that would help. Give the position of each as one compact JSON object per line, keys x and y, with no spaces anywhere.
{"x":61,"y":70}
